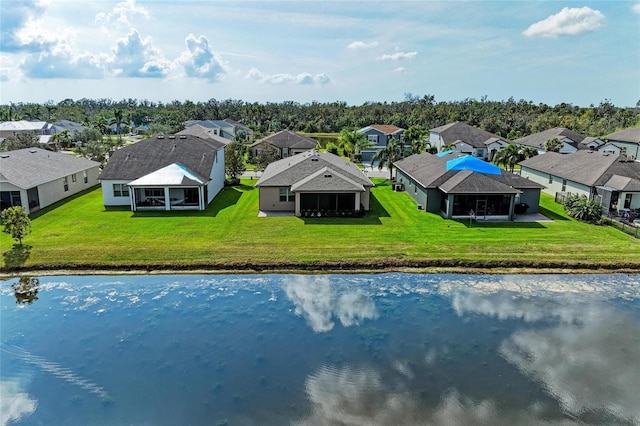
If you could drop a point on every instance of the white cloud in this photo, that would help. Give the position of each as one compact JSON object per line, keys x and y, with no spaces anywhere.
{"x":569,"y":21}
{"x":362,"y":45}
{"x":123,"y":15}
{"x":398,"y":56}
{"x":14,"y":404}
{"x":319,"y":303}
{"x":4,"y":74}
{"x":200,"y":61}
{"x":636,"y":8}
{"x":62,"y":62}
{"x":14,"y":17}
{"x":136,"y":57}
{"x":400,"y":70}
{"x":302,"y":78}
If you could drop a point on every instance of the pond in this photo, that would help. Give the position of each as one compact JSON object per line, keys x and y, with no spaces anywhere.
{"x":380,"y":349}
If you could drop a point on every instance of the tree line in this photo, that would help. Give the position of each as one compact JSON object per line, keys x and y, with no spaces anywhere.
{"x":508,"y":118}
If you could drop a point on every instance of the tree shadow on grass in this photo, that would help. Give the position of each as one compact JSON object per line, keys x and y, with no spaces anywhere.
{"x":17,"y":256}
{"x":227,"y":197}
{"x":551,"y":215}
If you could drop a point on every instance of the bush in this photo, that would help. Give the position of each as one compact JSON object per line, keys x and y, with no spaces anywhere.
{"x":581,"y":208}
{"x":332,"y":148}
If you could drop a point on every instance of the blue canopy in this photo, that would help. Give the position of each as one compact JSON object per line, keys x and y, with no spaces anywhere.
{"x":443,"y":153}
{"x":467,"y":162}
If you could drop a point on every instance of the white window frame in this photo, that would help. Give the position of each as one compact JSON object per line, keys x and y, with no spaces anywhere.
{"x":287,"y":194}
{"x":120,"y":190}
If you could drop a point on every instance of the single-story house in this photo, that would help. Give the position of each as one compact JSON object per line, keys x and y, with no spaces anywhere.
{"x":628,"y":140}
{"x":227,"y":129}
{"x":312,"y":181}
{"x":571,"y":141}
{"x":12,"y":128}
{"x":286,"y":142}
{"x":379,"y":135}
{"x":467,"y":140}
{"x":168,"y":172}
{"x":476,"y":188}
{"x":614,"y":180}
{"x":36,"y":178}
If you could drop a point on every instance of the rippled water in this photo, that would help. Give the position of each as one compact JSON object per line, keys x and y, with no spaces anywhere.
{"x":393,"y":349}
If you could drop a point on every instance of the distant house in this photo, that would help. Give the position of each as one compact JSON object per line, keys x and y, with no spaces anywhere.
{"x":227,"y":129}
{"x":35,"y":178}
{"x":286,"y":142}
{"x":628,"y":140}
{"x":41,"y":129}
{"x":204,"y":132}
{"x":71,"y":126}
{"x":475,"y":189}
{"x":571,"y":141}
{"x":467,"y":140}
{"x":379,"y":135}
{"x":313,"y":181}
{"x":614,"y":180}
{"x":168,"y":172}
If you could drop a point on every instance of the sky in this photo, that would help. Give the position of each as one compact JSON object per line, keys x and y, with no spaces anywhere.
{"x":356,"y":51}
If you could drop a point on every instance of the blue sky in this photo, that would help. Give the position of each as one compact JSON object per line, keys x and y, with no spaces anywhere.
{"x":266,"y":51}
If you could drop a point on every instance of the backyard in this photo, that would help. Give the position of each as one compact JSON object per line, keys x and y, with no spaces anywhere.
{"x":82,"y":233}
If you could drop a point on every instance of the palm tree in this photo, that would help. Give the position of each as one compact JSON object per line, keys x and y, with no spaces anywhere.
{"x":63,"y":138}
{"x":448,"y":147}
{"x":507,"y":157}
{"x":117,"y":120}
{"x":553,"y":145}
{"x":415,"y":136}
{"x":394,"y":151}
{"x":352,"y":142}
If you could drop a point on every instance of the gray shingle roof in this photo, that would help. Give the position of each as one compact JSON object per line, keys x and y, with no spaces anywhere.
{"x":149,"y":155}
{"x":589,"y":168}
{"x":626,"y":135}
{"x":30,"y":167}
{"x":459,"y":131}
{"x":298,"y":168}
{"x":430,"y":171}
{"x":288,"y":139}
{"x":326,"y":179}
{"x":537,"y":140}
{"x":622,"y":183}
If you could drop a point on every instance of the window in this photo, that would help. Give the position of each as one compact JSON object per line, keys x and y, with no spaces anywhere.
{"x":120,"y":190}
{"x":73,"y":178}
{"x":627,"y":201}
{"x":65,"y":183}
{"x":153,"y":192}
{"x":85,"y":177}
{"x":286,"y":195}
{"x":550,"y":179}
{"x":564,"y":185}
{"x":373,"y":138}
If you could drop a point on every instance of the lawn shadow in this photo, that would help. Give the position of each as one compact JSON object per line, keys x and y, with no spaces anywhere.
{"x":62,"y":202}
{"x":17,"y":256}
{"x":497,"y":225}
{"x":227,"y":197}
{"x":551,"y":214}
{"x":376,"y":208}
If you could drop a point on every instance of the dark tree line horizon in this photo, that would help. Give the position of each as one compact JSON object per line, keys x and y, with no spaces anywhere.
{"x":508,"y":118}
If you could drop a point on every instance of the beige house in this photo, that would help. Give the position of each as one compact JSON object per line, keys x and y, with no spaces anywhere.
{"x":313,"y":182}
{"x":286,"y":142}
{"x":36,"y":178}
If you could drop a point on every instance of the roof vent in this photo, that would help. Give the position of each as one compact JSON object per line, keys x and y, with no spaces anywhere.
{"x":172,"y":136}
{"x":33,"y":151}
{"x":328,"y":175}
{"x":183,"y":136}
{"x":314,"y":159}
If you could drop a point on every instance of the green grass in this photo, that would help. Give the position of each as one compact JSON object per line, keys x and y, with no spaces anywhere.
{"x":82,"y":231}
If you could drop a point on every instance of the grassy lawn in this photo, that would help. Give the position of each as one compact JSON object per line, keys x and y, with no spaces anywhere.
{"x":83,"y":231}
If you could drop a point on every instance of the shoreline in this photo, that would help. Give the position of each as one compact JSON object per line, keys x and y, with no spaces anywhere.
{"x":408,"y":266}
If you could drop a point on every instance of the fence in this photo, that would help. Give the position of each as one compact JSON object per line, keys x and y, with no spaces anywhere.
{"x":626,"y":227}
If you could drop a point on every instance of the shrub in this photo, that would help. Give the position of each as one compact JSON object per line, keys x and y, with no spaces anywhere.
{"x":581,"y":208}
{"x":332,"y":148}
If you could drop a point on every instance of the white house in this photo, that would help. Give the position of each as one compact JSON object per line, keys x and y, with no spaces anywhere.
{"x":169,"y":172}
{"x":36,"y":178}
{"x":467,"y":140}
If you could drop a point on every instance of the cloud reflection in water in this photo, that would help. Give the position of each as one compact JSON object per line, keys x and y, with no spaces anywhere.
{"x":319,"y":303}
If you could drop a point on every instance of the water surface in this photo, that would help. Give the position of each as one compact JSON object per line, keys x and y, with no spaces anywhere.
{"x":391,"y":349}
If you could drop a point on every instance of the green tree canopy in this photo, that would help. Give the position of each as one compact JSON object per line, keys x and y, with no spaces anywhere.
{"x":234,"y":161}
{"x":552,"y":145}
{"x":16,"y":223}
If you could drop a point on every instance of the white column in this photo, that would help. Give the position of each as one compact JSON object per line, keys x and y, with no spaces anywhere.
{"x":167,"y":199}
{"x":357,"y":201}
{"x":132,"y":198}
{"x":297,"y":198}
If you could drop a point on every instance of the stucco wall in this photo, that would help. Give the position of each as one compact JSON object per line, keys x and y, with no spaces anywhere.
{"x":107,"y":194}
{"x":555,"y":186}
{"x":270,"y":200}
{"x":217,"y":177}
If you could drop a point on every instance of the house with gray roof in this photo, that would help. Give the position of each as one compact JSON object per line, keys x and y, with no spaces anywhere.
{"x":628,"y":140}
{"x":611,"y":179}
{"x":36,"y":178}
{"x":286,"y":142}
{"x":379,"y":136}
{"x":467,"y":140}
{"x":313,"y":182}
{"x":466,"y":191}
{"x":227,"y":129}
{"x":168,"y":172}
{"x":571,"y":141}
{"x":204,"y":132}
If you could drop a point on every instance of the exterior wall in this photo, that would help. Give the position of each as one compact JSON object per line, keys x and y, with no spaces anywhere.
{"x":217,"y":176}
{"x":107,"y":194}
{"x":631,"y":149}
{"x":556,"y":185}
{"x":365,"y":198}
{"x":53,"y":191}
{"x":612,"y":148}
{"x":270,"y":200}
{"x":416,"y":192}
{"x":24,"y":200}
{"x":566,"y":148}
{"x":435,"y":140}
{"x":532,"y":198}
{"x":494,"y":147}
{"x":635,"y":200}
